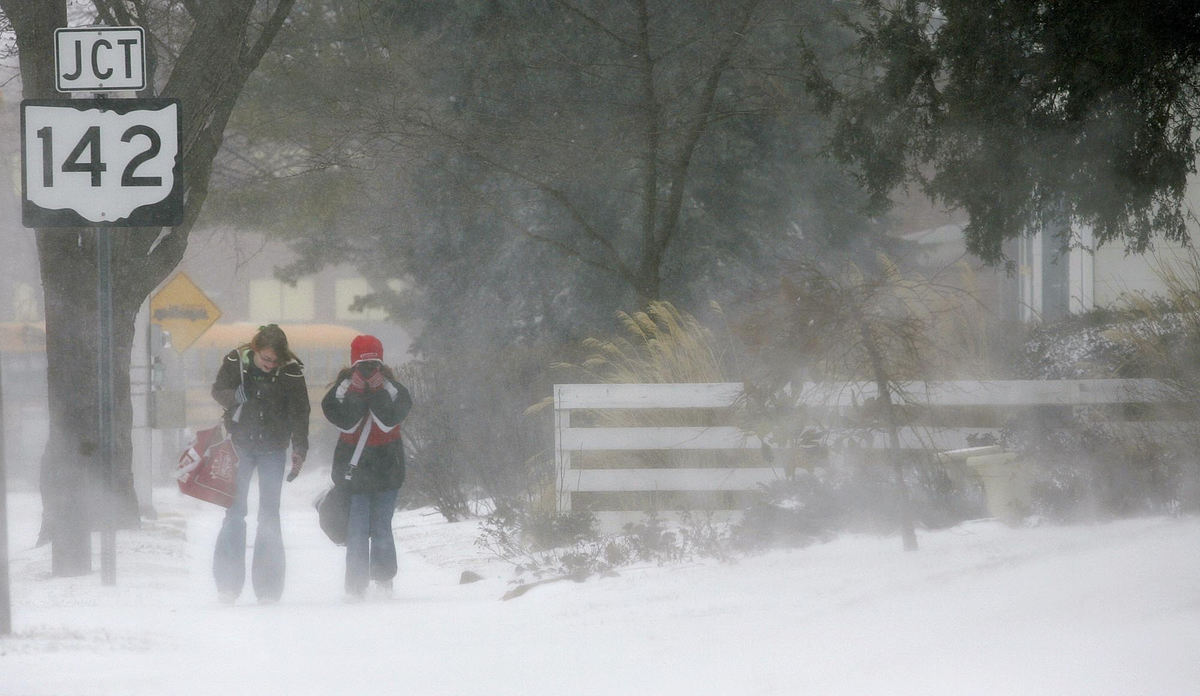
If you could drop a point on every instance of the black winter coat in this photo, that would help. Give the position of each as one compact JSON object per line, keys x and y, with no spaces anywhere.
{"x":380,"y":467}
{"x":276,"y":409}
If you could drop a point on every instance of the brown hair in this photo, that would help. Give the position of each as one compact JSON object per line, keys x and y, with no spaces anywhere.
{"x":271,"y":336}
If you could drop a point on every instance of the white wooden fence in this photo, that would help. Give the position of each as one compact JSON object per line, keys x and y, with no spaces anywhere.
{"x":575,"y":439}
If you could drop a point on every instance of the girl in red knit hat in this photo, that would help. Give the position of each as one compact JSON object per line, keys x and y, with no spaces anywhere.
{"x":367,"y":405}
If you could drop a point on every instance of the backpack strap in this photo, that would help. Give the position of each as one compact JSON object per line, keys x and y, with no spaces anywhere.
{"x":358,"y":448}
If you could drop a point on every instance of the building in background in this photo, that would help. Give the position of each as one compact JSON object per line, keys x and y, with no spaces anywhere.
{"x":1046,"y":283}
{"x":1049,"y":284}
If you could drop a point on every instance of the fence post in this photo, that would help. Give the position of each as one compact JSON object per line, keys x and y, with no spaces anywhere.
{"x":562,"y":457}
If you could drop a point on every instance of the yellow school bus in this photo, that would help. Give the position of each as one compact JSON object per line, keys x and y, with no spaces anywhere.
{"x":323,"y":348}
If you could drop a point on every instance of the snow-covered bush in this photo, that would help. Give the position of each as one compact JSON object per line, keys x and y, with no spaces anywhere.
{"x":1085,"y":466}
{"x":856,"y":495}
{"x":790,"y":512}
{"x":541,"y":544}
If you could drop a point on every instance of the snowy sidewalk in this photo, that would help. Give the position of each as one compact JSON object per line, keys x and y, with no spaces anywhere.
{"x":981,"y":609}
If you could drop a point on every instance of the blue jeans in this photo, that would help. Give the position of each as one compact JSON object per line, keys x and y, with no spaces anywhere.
{"x":229,"y":559}
{"x":370,"y":548}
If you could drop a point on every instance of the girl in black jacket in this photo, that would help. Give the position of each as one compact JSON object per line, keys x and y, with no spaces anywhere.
{"x":261,"y":386}
{"x":367,"y":404}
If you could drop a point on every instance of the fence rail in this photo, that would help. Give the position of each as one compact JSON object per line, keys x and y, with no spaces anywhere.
{"x":575,"y":439}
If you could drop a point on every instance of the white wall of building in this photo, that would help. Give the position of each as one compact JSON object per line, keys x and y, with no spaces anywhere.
{"x":1120,"y":274}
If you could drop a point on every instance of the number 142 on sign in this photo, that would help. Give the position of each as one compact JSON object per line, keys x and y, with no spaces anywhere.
{"x":101,"y":162}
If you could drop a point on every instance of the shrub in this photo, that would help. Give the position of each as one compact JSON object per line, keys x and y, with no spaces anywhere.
{"x":542,"y":544}
{"x":794,"y":512}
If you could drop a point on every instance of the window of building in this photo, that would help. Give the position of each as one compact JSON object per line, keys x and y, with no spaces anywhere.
{"x":273,"y":301}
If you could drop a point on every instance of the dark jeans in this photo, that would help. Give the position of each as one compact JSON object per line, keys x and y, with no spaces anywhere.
{"x":370,"y":548}
{"x":229,"y":559}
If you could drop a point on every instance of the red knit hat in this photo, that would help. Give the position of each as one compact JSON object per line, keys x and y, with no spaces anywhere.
{"x":365,"y":348}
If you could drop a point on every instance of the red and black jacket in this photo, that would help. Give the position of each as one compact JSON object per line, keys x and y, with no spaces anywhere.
{"x":371,"y":417}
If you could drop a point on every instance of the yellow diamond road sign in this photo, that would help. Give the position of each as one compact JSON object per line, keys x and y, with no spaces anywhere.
{"x":183,"y":310}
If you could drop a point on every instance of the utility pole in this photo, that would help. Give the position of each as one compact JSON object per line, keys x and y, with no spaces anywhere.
{"x":5,"y":596}
{"x":108,"y":530}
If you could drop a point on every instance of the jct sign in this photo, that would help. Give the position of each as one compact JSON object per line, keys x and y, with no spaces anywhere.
{"x":95,"y":59}
{"x":110,"y":162}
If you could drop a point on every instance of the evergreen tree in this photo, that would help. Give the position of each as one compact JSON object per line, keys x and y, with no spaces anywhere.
{"x":1030,"y":111}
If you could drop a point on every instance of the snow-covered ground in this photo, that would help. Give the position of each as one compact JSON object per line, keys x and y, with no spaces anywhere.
{"x":980,"y":609}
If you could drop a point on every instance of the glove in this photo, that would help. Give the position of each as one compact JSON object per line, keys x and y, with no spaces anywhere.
{"x":369,"y":372}
{"x":297,"y":465}
{"x":357,"y":383}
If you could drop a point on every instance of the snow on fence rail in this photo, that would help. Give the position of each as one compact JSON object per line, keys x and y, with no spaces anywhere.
{"x":593,"y":480}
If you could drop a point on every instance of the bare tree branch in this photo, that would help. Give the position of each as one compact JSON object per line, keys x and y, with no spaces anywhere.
{"x":593,"y":21}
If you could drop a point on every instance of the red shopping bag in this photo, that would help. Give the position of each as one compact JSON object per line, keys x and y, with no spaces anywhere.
{"x":208,"y":469}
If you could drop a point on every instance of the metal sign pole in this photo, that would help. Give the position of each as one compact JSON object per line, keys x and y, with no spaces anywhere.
{"x":5,"y":598}
{"x":108,"y":533}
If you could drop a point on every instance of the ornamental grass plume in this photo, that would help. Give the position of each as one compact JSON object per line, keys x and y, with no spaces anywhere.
{"x":659,"y":345}
{"x":662,"y":344}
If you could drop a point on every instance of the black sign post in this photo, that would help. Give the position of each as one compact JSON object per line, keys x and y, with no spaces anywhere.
{"x":104,"y":381}
{"x":5,"y":597}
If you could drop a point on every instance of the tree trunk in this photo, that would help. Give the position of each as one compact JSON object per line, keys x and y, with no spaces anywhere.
{"x":883,"y":386}
{"x":660,"y":225}
{"x":208,"y":75}
{"x":77,"y":492}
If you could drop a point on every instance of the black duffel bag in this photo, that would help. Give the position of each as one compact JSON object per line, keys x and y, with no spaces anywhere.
{"x":333,"y":513}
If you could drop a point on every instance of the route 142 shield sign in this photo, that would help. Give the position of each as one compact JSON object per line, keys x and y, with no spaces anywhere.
{"x":101,"y":162}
